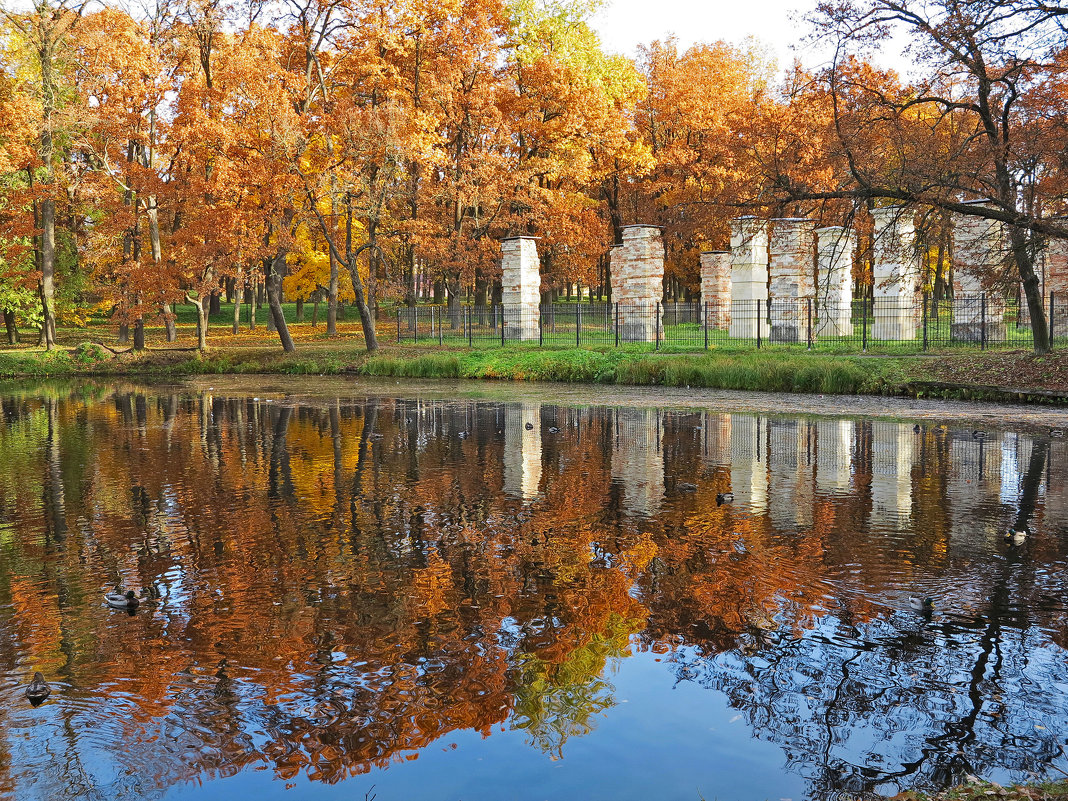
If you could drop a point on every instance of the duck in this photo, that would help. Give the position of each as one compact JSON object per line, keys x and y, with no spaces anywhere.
{"x":463,"y":435}
{"x":685,"y":486}
{"x":921,"y":604}
{"x":554,"y":430}
{"x":529,"y":426}
{"x":38,"y":690}
{"x":724,"y":497}
{"x":916,"y":428}
{"x":1016,"y":536}
{"x":116,"y":600}
{"x":977,"y":434}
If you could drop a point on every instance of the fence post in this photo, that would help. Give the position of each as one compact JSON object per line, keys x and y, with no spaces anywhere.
{"x":926,"y":299}
{"x":759,"y":321}
{"x":1050,"y":327}
{"x":617,"y":323}
{"x":398,"y":324}
{"x":864,"y":321}
{"x":502,"y":324}
{"x":808,"y":302}
{"x":441,"y":332}
{"x":982,"y":317}
{"x":578,"y":323}
{"x":541,"y":329}
{"x":704,"y":323}
{"x":415,"y":324}
{"x":656,"y":326}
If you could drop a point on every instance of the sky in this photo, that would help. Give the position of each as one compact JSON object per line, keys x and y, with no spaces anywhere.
{"x":778,"y":24}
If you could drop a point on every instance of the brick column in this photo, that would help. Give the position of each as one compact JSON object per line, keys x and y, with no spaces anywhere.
{"x":520,"y":287}
{"x":637,"y":268}
{"x":638,"y":459}
{"x":979,"y":251}
{"x":791,"y":272}
{"x":749,"y":277}
{"x":522,"y":450}
{"x":1057,"y":283}
{"x":834,"y":294}
{"x":716,"y":288}
{"x":896,"y":268}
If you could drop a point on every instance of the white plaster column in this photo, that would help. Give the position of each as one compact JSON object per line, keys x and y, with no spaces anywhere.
{"x":749,"y":277}
{"x":520,"y":287}
{"x":835,"y":281}
{"x":637,"y":268}
{"x":522,"y":450}
{"x":834,"y":455}
{"x":791,"y":272}
{"x":749,"y":473}
{"x":716,"y":288}
{"x":978,"y":255}
{"x":638,"y":459}
{"x":896,"y":274}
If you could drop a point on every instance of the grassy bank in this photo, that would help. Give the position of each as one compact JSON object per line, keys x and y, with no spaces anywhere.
{"x":978,"y":376}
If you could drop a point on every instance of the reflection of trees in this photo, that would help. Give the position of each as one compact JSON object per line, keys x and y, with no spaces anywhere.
{"x":351,"y":581}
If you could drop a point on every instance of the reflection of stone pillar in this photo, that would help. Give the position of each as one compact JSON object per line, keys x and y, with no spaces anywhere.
{"x":835,"y":292}
{"x":896,"y":269}
{"x":638,"y":459}
{"x":749,"y":475}
{"x":522,"y":450}
{"x":978,"y":256}
{"x":789,"y":474}
{"x":791,"y":274}
{"x":716,"y":287}
{"x":974,"y":481}
{"x":834,"y":455}
{"x":520,"y":287}
{"x":716,"y":438}
{"x":893,"y":449}
{"x":638,"y":282}
{"x":749,"y":277}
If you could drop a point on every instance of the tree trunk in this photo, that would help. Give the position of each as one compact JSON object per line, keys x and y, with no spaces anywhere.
{"x":124,"y":333}
{"x":139,"y":334}
{"x":252,"y":294}
{"x":239,"y":287}
{"x":48,"y":272}
{"x":300,"y":310}
{"x":202,"y":306}
{"x":12,"y":329}
{"x":361,"y":305}
{"x":1032,"y":289}
{"x":274,"y":299}
{"x":214,"y":305}
{"x":315,"y":313}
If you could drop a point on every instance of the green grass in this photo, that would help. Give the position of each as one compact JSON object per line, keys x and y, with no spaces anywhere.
{"x":770,"y":370}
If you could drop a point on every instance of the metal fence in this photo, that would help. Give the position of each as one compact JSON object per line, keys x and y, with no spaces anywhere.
{"x":888,"y":324}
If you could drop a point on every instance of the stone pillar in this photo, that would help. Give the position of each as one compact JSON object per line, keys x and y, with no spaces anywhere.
{"x":834,"y":449}
{"x":1057,"y":284}
{"x":835,"y":281}
{"x":749,"y":473}
{"x":791,"y":272}
{"x":979,"y":250}
{"x":749,"y":278}
{"x":638,"y":459}
{"x":638,"y":282}
{"x":715,"y":439}
{"x":520,"y":287}
{"x":522,"y":450}
{"x":716,"y":288}
{"x":893,"y":453}
{"x":896,"y":268}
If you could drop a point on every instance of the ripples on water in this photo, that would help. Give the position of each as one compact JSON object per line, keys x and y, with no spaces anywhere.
{"x":446,"y":600}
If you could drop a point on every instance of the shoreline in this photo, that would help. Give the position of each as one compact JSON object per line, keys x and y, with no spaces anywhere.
{"x":990,"y":376}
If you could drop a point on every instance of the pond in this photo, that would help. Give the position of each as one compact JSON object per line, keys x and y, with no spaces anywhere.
{"x":382,"y":593}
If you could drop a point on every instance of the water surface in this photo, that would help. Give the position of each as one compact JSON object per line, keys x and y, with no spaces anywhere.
{"x":417,"y":598}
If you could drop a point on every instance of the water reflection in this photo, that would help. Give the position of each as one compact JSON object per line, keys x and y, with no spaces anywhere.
{"x":334,"y":588}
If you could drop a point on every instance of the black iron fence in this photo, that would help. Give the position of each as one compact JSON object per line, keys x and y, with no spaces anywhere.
{"x":884,"y":323}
